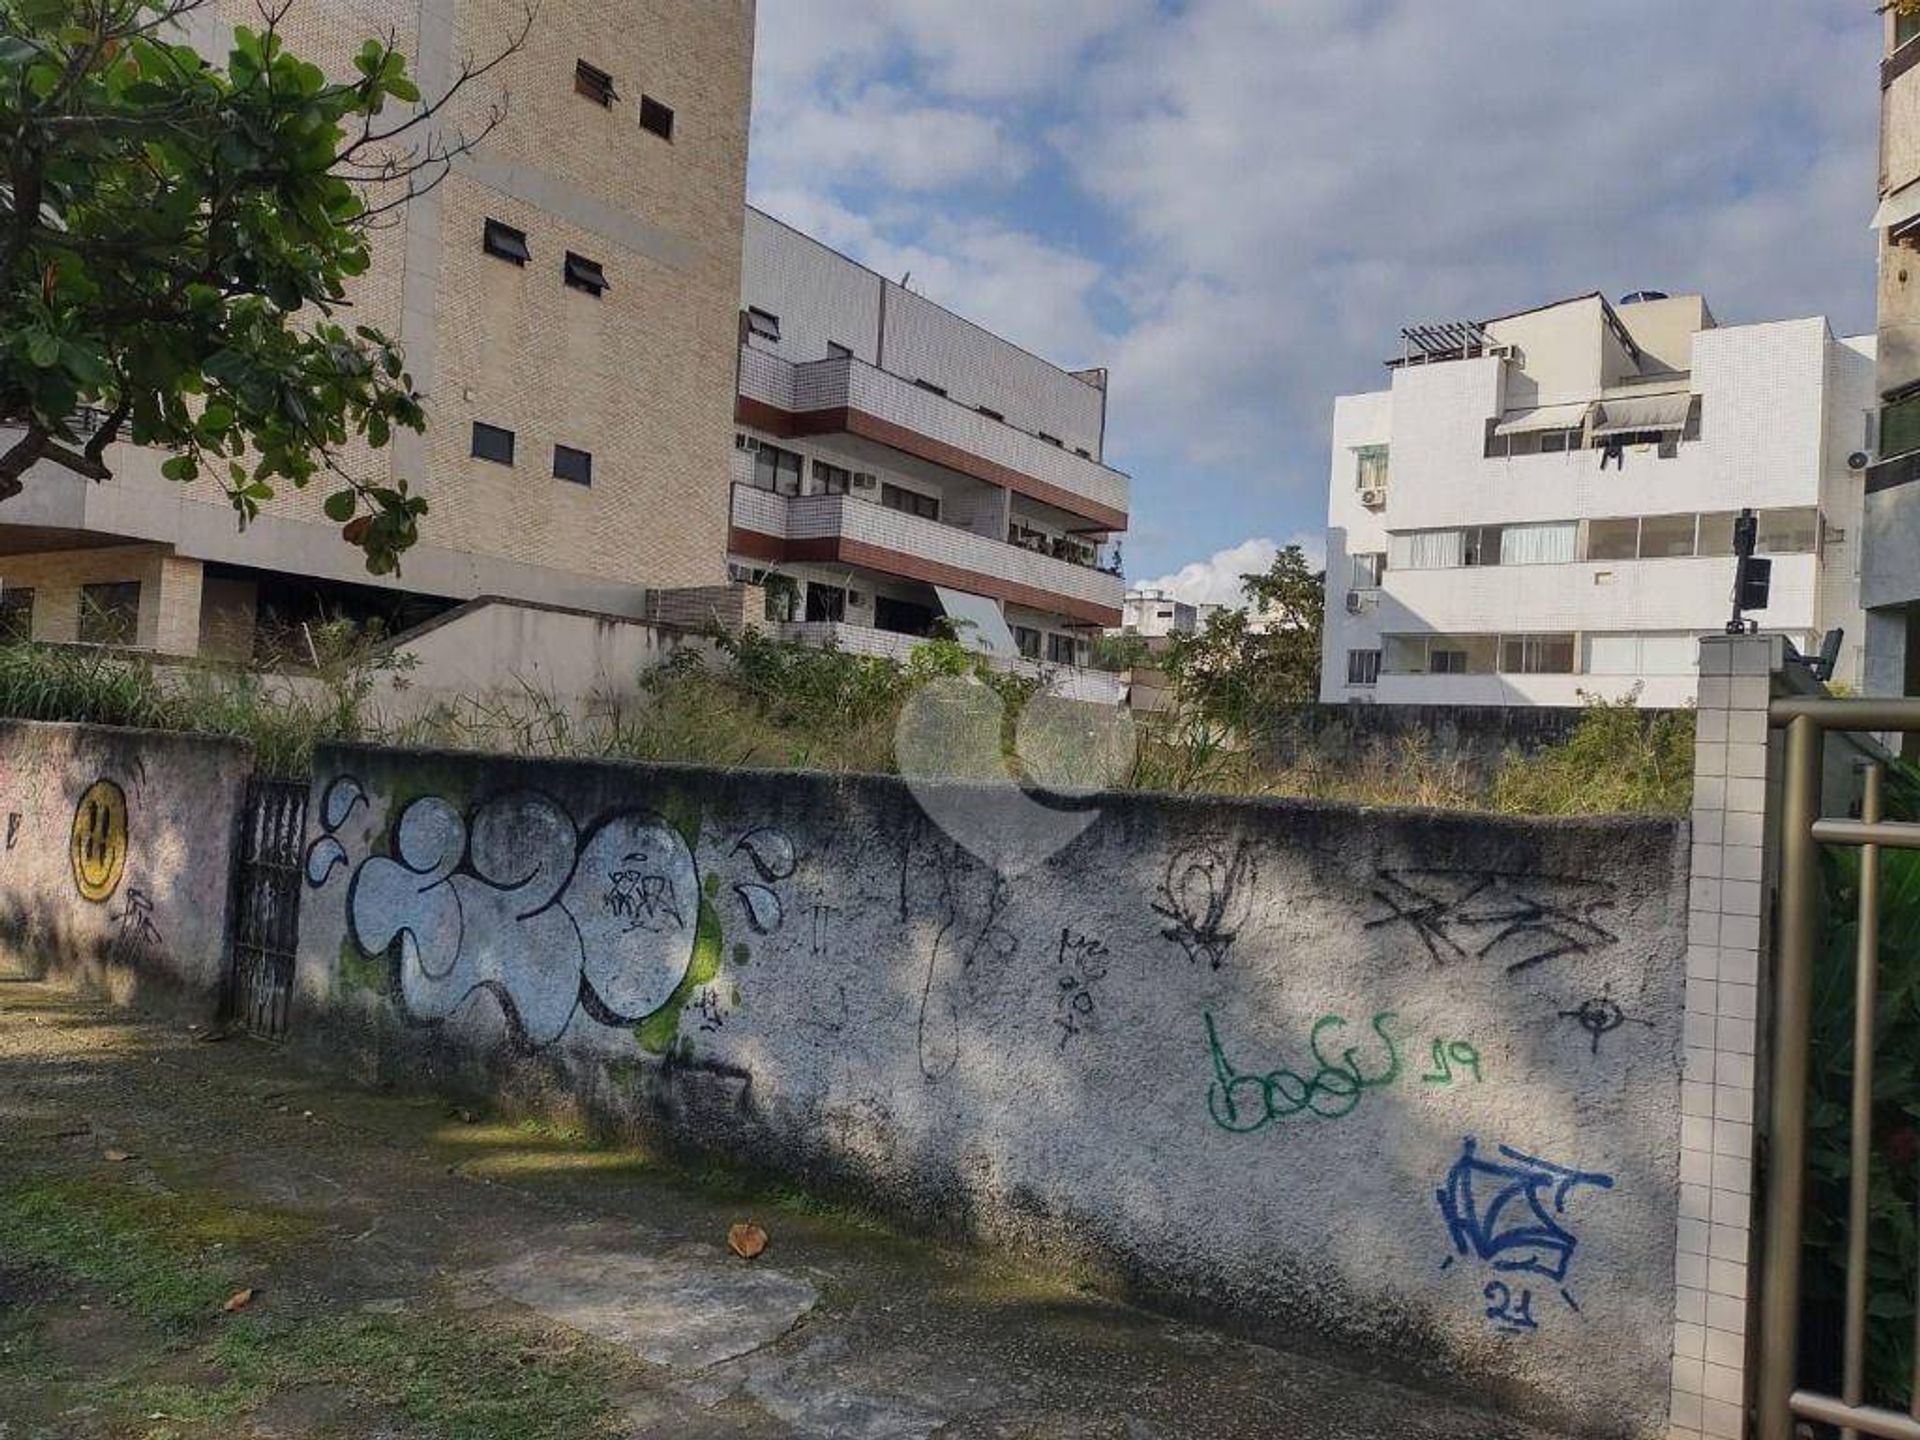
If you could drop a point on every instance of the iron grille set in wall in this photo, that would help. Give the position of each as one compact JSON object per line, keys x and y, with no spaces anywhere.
{"x":266,"y":931}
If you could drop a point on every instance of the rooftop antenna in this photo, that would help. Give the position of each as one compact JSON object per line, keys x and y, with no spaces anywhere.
{"x":906,"y":279}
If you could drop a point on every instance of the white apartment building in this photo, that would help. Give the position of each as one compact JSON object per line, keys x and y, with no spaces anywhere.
{"x":1541,"y":507}
{"x":895,"y":464}
{"x":1154,"y":614}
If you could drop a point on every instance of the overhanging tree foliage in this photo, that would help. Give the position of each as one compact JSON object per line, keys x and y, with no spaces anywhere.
{"x":176,"y":240}
{"x":1245,"y":667}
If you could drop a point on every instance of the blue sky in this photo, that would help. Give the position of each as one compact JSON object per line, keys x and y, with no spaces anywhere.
{"x":1235,"y":204}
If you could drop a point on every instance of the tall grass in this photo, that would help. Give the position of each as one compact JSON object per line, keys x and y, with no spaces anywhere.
{"x":765,"y":704}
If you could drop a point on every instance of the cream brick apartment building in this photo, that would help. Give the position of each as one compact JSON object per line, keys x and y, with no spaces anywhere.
{"x":568,"y":299}
{"x":896,"y":465}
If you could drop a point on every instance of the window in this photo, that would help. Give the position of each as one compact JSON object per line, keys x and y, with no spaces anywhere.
{"x":584,"y":274}
{"x":1716,"y":533}
{"x":1905,"y":27}
{"x":503,"y":241}
{"x":1550,"y":544}
{"x":1428,"y":550}
{"x":1446,"y":662}
{"x":16,"y":615}
{"x":911,"y":502}
{"x":831,"y":479}
{"x":902,"y":617}
{"x":776,"y":470}
{"x":1667,"y":537}
{"x":991,"y":413}
{"x":1536,"y":655}
{"x":1530,"y":442}
{"x":826,"y":604}
{"x":110,"y":614}
{"x":1060,"y":649}
{"x":929,"y":385}
{"x":593,"y":82}
{"x":1613,"y":539}
{"x":1480,"y":545}
{"x":572,"y":464}
{"x":837,"y":351}
{"x":1441,"y":654}
{"x":1370,"y":468}
{"x":655,"y":118}
{"x":1556,"y":442}
{"x":490,"y":442}
{"x":1053,"y":440}
{"x":1789,"y":532}
{"x":763,"y":323}
{"x":1367,"y":570}
{"x":1363,"y":667}
{"x":1027,"y":640}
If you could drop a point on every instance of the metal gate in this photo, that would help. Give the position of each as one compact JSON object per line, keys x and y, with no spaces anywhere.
{"x":1780,"y":1400}
{"x":266,"y":932}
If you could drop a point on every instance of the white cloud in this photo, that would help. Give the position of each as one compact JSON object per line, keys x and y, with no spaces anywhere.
{"x":1216,"y":580}
{"x":884,"y":134}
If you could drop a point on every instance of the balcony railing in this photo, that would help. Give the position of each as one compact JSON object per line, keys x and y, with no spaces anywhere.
{"x":842,"y":383}
{"x":820,"y":517}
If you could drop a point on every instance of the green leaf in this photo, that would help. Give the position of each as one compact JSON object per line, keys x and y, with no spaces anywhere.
{"x":340,"y":506}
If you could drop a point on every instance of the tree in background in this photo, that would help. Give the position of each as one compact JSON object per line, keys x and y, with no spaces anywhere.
{"x":1246,"y":666}
{"x":176,"y":238}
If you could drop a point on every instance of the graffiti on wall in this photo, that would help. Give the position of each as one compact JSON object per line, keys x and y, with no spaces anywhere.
{"x":1600,"y":1015}
{"x":1515,"y":920}
{"x":513,"y":901}
{"x":1083,"y":964}
{"x":136,"y":936}
{"x":99,"y":846}
{"x":963,"y":904}
{"x":1509,"y":1214}
{"x":1336,"y":1083}
{"x":1205,"y":898}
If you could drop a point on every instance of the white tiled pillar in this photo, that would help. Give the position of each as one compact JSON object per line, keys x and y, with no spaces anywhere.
{"x":1725,"y":942}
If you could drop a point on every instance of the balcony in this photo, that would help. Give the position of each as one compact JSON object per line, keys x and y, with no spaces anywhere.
{"x":845,"y":530}
{"x":845,"y":395}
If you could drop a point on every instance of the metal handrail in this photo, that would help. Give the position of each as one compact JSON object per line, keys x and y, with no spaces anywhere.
{"x":1807,"y":721}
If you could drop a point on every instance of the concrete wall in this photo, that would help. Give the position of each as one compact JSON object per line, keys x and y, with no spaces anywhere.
{"x":116,"y":852}
{"x":1280,"y":1061}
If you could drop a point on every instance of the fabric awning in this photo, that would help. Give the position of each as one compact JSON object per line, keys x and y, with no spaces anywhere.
{"x":982,"y":625}
{"x":1898,"y":208}
{"x":1543,"y":417}
{"x":1644,"y":412}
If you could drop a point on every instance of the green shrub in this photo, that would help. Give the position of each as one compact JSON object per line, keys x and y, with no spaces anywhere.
{"x":1620,"y":759}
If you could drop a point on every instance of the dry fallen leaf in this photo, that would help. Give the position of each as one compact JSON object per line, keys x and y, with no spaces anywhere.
{"x":239,"y":1300}
{"x":747,"y":1241}
{"x":116,"y":1156}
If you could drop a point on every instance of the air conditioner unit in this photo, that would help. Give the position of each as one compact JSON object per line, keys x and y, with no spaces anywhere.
{"x":1354,"y":603}
{"x":1374,"y":499}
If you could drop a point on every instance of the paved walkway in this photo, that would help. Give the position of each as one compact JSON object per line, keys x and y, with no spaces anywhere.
{"x":420,"y":1272}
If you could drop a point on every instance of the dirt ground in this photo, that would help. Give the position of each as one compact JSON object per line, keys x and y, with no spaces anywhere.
{"x":204,"y":1239}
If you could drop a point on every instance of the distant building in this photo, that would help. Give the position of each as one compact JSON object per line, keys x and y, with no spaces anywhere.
{"x":1543,"y":505}
{"x":1155,"y":614}
{"x":1890,"y":564}
{"x":896,"y":465}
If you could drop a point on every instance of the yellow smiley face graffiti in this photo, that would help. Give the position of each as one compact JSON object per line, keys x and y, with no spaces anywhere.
{"x":100,"y":840}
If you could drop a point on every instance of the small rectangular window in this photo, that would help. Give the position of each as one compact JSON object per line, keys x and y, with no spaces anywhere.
{"x":1667,"y":537}
{"x":656,"y":118}
{"x":502,"y":240}
{"x":1363,"y":667}
{"x":110,"y":614}
{"x":1480,"y":545}
{"x":763,"y":323}
{"x":1053,"y":440}
{"x":1789,"y":532}
{"x":1613,"y":539}
{"x":1060,"y":649}
{"x":490,"y":442}
{"x":1028,"y":641}
{"x":584,"y":274}
{"x":1371,"y":467}
{"x":929,"y":385}
{"x":991,"y":413}
{"x":1536,"y":655}
{"x":571,"y":464}
{"x":1716,"y":533}
{"x":910,"y":502}
{"x":776,"y":470}
{"x":826,"y":604}
{"x":593,"y":82}
{"x":1367,"y":570}
{"x":831,"y":479}
{"x":16,"y":614}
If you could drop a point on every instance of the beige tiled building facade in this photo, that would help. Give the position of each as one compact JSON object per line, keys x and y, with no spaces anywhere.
{"x":569,"y":303}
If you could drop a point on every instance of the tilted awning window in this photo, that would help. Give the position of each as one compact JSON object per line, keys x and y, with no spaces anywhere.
{"x":1543,"y":417}
{"x":1644,"y":412}
{"x":1902,"y":206}
{"x":982,"y":626}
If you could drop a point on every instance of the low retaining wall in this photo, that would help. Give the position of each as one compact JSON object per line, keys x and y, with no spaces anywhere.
{"x":116,"y":856}
{"x":1406,"y":1083}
